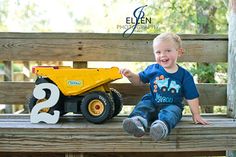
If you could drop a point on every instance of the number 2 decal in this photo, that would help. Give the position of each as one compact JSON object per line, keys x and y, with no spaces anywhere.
{"x":36,"y":116}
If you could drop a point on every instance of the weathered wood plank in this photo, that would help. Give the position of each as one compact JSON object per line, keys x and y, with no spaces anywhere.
{"x":127,"y":154}
{"x":51,"y":35}
{"x":26,"y":71}
{"x":231,"y":92}
{"x":148,"y":154}
{"x":8,"y":69}
{"x":25,"y":117}
{"x":210,"y":94}
{"x":35,"y":154}
{"x":231,"y":86}
{"x":84,"y":47}
{"x":74,"y":134}
{"x":78,"y":122}
{"x":18,"y":92}
{"x":11,"y":92}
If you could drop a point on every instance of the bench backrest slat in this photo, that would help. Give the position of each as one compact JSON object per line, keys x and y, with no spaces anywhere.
{"x":17,"y":92}
{"x":85,"y":47}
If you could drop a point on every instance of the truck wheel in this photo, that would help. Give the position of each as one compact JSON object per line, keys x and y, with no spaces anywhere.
{"x":33,"y":101}
{"x":59,"y":106}
{"x":118,"y":101}
{"x":97,"y":107}
{"x":173,"y":91}
{"x":164,"y":89}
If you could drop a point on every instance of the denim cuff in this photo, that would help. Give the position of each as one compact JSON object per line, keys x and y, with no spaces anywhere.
{"x":143,"y":121}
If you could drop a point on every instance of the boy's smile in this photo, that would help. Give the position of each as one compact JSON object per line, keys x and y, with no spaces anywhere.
{"x":164,"y":61}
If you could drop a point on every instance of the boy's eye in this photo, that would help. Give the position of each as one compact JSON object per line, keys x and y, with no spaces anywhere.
{"x":168,"y":50}
{"x":158,"y":52}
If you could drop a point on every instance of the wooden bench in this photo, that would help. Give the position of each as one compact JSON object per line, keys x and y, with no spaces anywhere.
{"x":74,"y":136}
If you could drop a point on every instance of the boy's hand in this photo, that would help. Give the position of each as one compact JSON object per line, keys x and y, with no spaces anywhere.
{"x":125,"y":72}
{"x":194,"y":107}
{"x":199,"y":120}
{"x":132,"y":77}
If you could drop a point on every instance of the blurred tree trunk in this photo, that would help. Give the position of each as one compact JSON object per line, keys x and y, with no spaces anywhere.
{"x":205,"y":19}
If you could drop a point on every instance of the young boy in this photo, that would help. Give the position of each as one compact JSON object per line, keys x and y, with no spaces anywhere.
{"x":169,"y":83}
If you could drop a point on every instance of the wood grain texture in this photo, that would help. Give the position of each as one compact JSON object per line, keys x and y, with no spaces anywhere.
{"x":74,"y":134}
{"x":231,"y":86}
{"x":103,"y":47}
{"x":112,"y":154}
{"x":18,"y":92}
{"x":8,"y":69}
{"x":18,"y":35}
{"x":35,"y":154}
{"x":231,"y":90}
{"x":148,"y":154}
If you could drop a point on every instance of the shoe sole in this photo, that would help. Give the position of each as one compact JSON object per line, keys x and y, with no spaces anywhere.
{"x":130,"y":127}
{"x":156,"y":133}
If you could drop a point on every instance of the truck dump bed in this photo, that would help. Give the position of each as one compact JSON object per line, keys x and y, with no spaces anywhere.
{"x":72,"y":81}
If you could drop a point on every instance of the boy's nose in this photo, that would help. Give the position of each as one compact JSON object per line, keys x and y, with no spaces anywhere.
{"x":162,"y":54}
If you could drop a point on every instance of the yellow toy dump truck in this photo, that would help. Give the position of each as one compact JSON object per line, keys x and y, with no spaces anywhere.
{"x":83,"y":91}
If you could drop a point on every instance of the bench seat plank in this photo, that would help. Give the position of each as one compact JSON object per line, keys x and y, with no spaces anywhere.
{"x":74,"y":134}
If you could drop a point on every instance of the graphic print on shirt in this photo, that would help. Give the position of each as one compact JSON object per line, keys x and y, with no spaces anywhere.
{"x":164,"y":85}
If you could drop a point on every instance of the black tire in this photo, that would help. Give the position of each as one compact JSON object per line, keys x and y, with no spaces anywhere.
{"x":118,"y":101}
{"x":97,"y":107}
{"x":42,"y":80}
{"x":58,"y":106}
{"x":173,"y":91}
{"x":164,"y":89}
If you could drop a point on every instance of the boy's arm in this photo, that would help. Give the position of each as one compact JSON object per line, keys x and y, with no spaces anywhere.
{"x":194,"y":107}
{"x":132,"y":77}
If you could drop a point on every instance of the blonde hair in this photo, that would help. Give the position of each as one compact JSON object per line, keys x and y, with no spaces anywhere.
{"x":169,"y":36}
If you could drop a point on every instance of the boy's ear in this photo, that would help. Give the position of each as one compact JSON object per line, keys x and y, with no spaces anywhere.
{"x":180,"y":52}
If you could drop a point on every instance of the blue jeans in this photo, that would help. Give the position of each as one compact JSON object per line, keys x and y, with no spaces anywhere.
{"x":170,"y":114}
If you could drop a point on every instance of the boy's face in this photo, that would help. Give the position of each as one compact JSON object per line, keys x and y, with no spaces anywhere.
{"x":166,"y":54}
